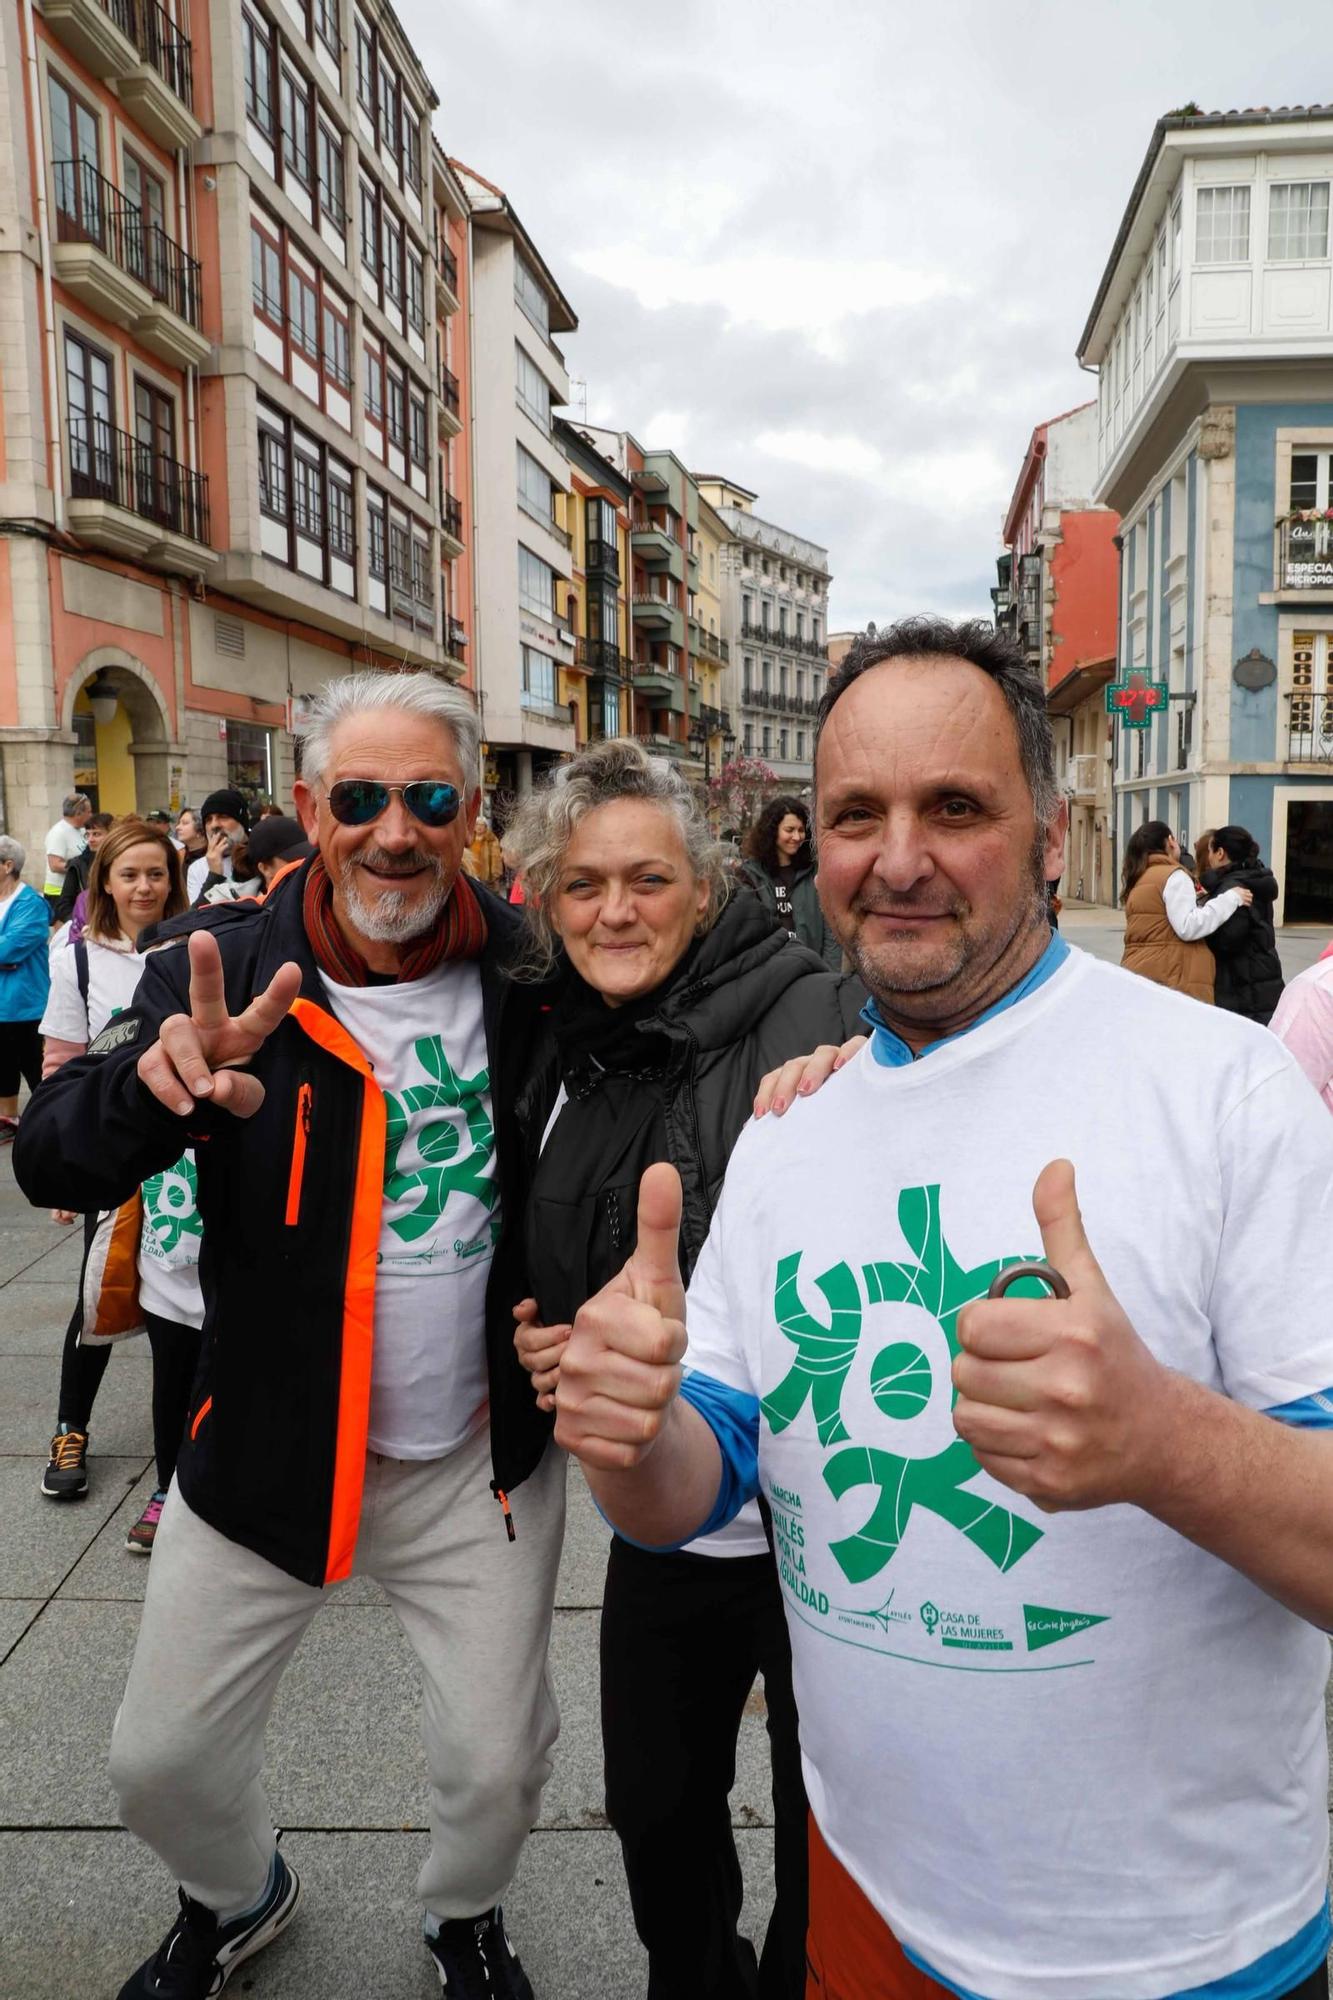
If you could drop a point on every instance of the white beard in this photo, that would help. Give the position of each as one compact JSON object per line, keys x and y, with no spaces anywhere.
{"x":392,"y":918}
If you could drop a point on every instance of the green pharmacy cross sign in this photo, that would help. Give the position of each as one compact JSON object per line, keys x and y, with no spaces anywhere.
{"x":1135,"y":699}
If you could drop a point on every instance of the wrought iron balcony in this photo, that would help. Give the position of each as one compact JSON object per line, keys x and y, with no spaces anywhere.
{"x":452,"y":516}
{"x":602,"y":556}
{"x":449,"y":268}
{"x":90,"y":211}
{"x":455,"y":636}
{"x":600,"y":656}
{"x":169,"y":51}
{"x":1310,"y":726}
{"x":446,"y":389}
{"x":112,"y":466}
{"x":1306,"y":555}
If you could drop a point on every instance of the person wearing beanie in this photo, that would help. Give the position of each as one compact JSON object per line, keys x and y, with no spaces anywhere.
{"x":275,"y":844}
{"x":226,"y":823}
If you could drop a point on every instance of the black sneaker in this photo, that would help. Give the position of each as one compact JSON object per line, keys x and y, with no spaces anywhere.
{"x":198,"y":1955}
{"x":476,"y":1961}
{"x":66,"y":1476}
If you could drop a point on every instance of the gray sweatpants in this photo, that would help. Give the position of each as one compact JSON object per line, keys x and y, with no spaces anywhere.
{"x":220,"y":1624}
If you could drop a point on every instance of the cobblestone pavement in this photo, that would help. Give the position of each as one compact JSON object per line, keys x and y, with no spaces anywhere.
{"x":345,"y":1771}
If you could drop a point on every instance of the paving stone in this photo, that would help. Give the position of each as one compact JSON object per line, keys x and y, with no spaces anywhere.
{"x":56,"y":1264}
{"x":583,"y":1559}
{"x":107,"y":1571}
{"x":16,"y":1614}
{"x":59,"y":1690}
{"x":122,"y":1420}
{"x":26,"y":1241}
{"x":105,"y":1902}
{"x":44,"y":1539}
{"x":33,"y":1317}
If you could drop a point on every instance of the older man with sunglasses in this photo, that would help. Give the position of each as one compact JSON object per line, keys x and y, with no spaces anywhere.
{"x":332,"y":1056}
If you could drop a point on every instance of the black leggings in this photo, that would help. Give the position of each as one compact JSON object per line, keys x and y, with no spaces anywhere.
{"x":175,"y":1360}
{"x":20,"y":1056}
{"x":683,"y":1637}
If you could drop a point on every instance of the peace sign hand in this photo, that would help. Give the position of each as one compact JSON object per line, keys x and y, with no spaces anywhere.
{"x":1059,"y":1398}
{"x":197,"y":1055}
{"x":621,"y":1365}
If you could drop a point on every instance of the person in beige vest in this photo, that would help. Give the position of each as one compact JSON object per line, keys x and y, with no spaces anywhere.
{"x":1165,"y":926}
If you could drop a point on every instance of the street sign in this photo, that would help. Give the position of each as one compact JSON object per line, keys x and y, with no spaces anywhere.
{"x":1135,"y":699}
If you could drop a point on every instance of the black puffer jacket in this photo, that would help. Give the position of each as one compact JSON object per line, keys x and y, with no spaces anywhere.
{"x":1248,"y":970}
{"x":748,"y":998}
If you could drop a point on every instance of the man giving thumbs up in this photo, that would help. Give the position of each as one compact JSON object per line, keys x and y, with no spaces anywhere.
{"x":1054,"y":1567}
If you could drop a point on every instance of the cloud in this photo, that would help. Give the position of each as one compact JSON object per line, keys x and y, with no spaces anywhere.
{"x":850,"y":456}
{"x":812,"y":295}
{"x":840,"y":250}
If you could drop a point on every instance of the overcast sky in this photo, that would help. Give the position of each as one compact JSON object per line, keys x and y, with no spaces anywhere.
{"x":841,"y":252}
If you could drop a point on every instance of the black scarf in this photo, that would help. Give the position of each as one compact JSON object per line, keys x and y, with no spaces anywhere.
{"x":595,"y":1040}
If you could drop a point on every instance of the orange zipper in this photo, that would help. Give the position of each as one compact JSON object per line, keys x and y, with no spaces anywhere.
{"x":203,"y":1411}
{"x":304,"y":1097}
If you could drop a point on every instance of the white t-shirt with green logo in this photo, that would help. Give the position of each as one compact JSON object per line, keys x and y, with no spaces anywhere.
{"x":426,"y":1043}
{"x":172,"y":1234}
{"x":1065,"y":1755}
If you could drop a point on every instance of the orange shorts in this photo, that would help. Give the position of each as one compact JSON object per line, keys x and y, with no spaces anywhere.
{"x":851,"y":1954}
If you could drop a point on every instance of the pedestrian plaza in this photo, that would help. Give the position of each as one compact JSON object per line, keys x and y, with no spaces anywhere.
{"x":346,"y":1775}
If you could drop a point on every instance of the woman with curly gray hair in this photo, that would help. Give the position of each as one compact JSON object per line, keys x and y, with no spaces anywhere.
{"x":667,"y":1005}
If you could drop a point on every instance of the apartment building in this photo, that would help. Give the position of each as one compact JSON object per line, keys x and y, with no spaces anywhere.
{"x":666,"y":707}
{"x":776,"y":596}
{"x":218,"y":275}
{"x":1056,"y":593}
{"x":596,"y":514}
{"x":522,"y":570}
{"x":1212,"y":336}
{"x":710,"y":649}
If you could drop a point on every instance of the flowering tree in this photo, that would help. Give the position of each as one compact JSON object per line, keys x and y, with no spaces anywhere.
{"x":739,"y":791}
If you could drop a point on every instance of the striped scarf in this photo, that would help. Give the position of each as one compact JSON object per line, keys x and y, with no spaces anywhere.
{"x":458,"y":932}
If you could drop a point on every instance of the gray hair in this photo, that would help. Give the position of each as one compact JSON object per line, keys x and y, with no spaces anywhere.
{"x":13,"y":850}
{"x":997,"y":655}
{"x":543,"y":826}
{"x":75,"y":803}
{"x":411,"y":694}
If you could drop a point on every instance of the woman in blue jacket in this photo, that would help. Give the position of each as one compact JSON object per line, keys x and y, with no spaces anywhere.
{"x":25,"y":980}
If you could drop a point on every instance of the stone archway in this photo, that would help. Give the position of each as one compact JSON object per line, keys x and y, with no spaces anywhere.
{"x":151,"y":746}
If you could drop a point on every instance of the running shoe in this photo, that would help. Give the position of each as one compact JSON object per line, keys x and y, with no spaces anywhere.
{"x":198,"y":1955}
{"x":476,"y":1961}
{"x":66,"y":1475}
{"x":139,"y":1540}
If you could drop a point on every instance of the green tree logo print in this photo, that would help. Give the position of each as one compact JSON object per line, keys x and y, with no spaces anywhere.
{"x":445,"y":1168}
{"x":900,"y":1381}
{"x":171,"y":1213}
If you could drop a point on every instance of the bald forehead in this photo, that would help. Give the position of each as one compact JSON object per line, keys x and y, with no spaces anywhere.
{"x":916,"y":723}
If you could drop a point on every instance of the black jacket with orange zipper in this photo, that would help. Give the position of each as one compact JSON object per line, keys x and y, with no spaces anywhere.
{"x":290,"y":1201}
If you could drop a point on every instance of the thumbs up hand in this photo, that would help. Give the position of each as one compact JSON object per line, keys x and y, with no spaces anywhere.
{"x":1059,"y":1398}
{"x":621,"y":1365}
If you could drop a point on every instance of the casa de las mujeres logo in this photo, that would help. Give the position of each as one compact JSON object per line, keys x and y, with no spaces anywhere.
{"x":437,"y":1113}
{"x":896,"y":1486}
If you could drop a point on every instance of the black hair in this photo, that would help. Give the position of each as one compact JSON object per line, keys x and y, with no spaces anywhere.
{"x":761,"y":843}
{"x":1238,"y":844}
{"x":980,"y":645}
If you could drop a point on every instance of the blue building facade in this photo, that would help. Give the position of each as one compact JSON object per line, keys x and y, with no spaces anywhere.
{"x":1227,"y":596}
{"x":1211,"y":335}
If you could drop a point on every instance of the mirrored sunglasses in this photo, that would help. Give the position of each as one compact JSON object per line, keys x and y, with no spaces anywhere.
{"x":358,"y":801}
